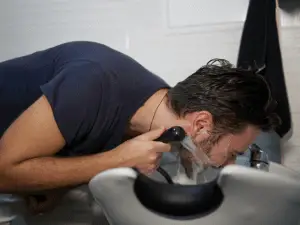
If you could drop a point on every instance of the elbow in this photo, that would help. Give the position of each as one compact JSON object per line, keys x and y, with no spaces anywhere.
{"x":6,"y":183}
{"x":10,"y":177}
{"x":5,"y":186}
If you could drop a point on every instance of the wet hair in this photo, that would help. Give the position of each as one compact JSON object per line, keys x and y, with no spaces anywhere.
{"x":235,"y":97}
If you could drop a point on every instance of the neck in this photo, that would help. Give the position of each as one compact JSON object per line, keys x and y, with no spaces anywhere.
{"x":155,"y":113}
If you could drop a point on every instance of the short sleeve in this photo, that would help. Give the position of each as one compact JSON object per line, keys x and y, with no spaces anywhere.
{"x":75,"y":97}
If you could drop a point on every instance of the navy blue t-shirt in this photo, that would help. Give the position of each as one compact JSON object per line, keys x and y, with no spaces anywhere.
{"x":93,"y":90}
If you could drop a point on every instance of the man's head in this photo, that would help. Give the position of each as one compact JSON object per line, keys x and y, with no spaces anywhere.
{"x":225,"y":108}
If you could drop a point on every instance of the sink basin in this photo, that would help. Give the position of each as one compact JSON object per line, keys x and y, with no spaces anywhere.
{"x":250,"y":197}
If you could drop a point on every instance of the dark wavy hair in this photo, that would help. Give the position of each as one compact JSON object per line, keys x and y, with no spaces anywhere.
{"x":235,"y":97}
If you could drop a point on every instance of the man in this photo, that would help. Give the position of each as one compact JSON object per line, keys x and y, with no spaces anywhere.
{"x":67,"y":111}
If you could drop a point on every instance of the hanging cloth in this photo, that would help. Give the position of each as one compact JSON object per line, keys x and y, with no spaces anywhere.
{"x":260,"y":49}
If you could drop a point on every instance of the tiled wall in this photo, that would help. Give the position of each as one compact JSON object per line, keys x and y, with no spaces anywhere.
{"x":170,"y":37}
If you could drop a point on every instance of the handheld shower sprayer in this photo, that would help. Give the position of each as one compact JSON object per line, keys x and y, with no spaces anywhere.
{"x":258,"y":158}
{"x":177,"y":134}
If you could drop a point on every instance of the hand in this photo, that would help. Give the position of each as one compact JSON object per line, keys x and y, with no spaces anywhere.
{"x":41,"y":203}
{"x":142,"y":152}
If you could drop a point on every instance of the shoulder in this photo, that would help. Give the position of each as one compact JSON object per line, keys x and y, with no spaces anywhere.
{"x":80,"y":44}
{"x":86,"y":50}
{"x":84,"y":46}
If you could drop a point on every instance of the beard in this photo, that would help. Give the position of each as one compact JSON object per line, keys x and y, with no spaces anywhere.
{"x":204,"y":154}
{"x":213,"y":151}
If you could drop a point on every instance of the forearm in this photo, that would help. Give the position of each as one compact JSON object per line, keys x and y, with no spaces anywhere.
{"x":46,"y":173}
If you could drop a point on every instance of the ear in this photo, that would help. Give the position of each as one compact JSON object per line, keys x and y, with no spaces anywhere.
{"x":203,"y":122}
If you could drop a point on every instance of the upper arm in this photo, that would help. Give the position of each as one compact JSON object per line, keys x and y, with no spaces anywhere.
{"x":33,"y":134}
{"x":63,"y":116}
{"x":75,"y":98}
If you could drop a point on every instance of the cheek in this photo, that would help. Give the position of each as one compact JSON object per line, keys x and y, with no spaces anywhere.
{"x":201,"y":137}
{"x":242,"y":142}
{"x":219,"y":152}
{"x":221,"y":147}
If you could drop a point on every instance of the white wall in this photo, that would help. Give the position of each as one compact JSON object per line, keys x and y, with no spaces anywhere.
{"x":164,"y":35}
{"x":170,"y":37}
{"x":290,"y":46}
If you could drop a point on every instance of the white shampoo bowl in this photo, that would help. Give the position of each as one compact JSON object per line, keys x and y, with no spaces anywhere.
{"x":250,"y":197}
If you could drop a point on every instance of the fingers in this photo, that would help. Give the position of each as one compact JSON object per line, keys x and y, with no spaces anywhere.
{"x":151,"y":135}
{"x":146,"y":171}
{"x":150,"y":167}
{"x":160,"y":147}
{"x":154,"y":161}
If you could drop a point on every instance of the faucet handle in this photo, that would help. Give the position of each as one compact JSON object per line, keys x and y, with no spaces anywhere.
{"x":258,"y":158}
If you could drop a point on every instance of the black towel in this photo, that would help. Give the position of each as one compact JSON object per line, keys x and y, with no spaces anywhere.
{"x":260,"y":49}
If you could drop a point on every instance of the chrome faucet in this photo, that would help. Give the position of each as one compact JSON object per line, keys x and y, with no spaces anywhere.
{"x":258,"y":158}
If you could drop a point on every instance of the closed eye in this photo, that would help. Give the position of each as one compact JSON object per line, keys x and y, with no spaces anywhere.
{"x":237,"y":153}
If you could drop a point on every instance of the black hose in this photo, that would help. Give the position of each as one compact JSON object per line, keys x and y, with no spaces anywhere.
{"x":165,"y":175}
{"x":173,"y":134}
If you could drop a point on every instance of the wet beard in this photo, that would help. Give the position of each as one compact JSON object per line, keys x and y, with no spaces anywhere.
{"x":206,"y":147}
{"x":187,"y":159}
